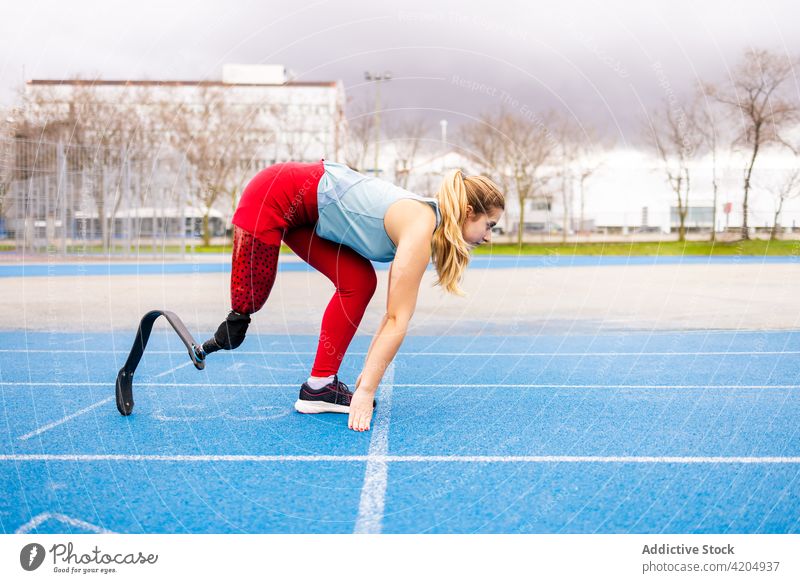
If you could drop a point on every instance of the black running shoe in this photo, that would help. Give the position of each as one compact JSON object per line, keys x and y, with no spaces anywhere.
{"x":332,"y":398}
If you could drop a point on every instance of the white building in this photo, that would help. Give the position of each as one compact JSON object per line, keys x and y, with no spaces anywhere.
{"x":628,"y":193}
{"x":291,"y":120}
{"x":277,"y":119}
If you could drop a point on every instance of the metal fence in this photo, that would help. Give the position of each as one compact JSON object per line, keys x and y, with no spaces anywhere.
{"x":66,"y":198}
{"x":78,"y":199}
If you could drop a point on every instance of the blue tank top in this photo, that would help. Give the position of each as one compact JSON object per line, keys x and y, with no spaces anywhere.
{"x":352,"y":207}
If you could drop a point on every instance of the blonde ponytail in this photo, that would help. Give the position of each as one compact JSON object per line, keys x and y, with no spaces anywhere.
{"x":449,"y":250}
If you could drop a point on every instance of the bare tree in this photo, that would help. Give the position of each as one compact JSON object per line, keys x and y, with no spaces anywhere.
{"x":483,"y":144}
{"x":587,"y":162}
{"x":100,"y":134}
{"x":759,"y":99}
{"x":672,"y":131}
{"x":711,"y":125}
{"x":360,"y":135}
{"x":784,"y":185}
{"x":567,"y":135}
{"x":293,"y":137}
{"x":518,"y":149}
{"x":579,"y":156}
{"x":407,"y":135}
{"x":213,"y":135}
{"x":6,"y":159}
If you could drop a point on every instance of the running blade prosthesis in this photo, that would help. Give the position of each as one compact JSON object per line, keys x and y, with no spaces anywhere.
{"x":124,"y":388}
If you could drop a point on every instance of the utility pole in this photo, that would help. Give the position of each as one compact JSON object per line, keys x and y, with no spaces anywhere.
{"x":377,"y":77}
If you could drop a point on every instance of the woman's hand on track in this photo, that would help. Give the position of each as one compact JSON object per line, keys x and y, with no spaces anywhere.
{"x":360,"y":410}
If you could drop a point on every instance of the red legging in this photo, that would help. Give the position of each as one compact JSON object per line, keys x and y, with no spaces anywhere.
{"x":255,"y":263}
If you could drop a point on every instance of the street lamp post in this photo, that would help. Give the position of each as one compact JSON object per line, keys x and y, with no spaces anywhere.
{"x":377,"y":77}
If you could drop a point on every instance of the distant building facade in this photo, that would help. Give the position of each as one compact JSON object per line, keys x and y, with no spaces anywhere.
{"x":277,"y":119}
{"x":297,"y":120}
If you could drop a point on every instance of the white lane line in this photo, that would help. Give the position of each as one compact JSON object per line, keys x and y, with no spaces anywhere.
{"x":401,"y":458}
{"x":39,"y":519}
{"x":373,"y":492}
{"x":49,"y":426}
{"x":172,"y":370}
{"x":76,"y":341}
{"x":465,"y":354}
{"x":412,"y":386}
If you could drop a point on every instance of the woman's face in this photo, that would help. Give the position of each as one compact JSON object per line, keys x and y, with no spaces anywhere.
{"x":477,"y":228}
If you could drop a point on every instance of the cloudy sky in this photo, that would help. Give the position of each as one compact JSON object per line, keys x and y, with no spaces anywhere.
{"x":606,"y":62}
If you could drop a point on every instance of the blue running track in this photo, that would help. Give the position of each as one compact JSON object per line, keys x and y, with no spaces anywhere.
{"x":693,"y":432}
{"x":40,"y":269}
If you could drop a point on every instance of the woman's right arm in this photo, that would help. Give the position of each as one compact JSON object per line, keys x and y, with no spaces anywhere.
{"x":411,"y":259}
{"x":371,"y":344}
{"x":405,"y":276}
{"x":377,"y":332}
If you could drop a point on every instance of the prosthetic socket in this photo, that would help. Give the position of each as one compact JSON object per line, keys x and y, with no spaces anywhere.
{"x":230,"y":333}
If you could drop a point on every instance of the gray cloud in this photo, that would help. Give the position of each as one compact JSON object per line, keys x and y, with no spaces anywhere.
{"x":594,"y":59}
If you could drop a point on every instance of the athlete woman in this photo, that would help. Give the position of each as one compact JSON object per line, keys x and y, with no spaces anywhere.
{"x":337,"y":220}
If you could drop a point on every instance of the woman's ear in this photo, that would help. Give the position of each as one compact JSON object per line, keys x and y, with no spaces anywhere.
{"x":470,"y":211}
